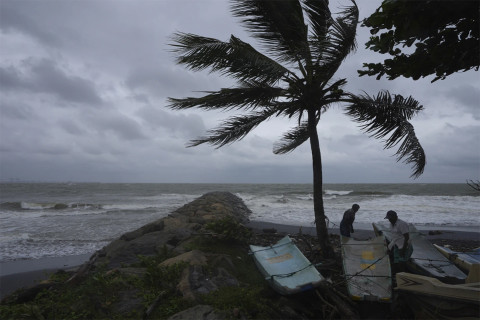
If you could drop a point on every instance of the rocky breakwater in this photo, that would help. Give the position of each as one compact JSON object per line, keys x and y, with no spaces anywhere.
{"x":192,"y":264}
{"x":174,"y":232}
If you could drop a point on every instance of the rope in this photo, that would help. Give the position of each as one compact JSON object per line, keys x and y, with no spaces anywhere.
{"x":446,"y":263}
{"x":327,"y":222}
{"x":282,"y":275}
{"x":359,"y":244}
{"x":359,"y":272}
{"x":372,"y":276}
{"x":286,"y":275}
{"x":270,"y":247}
{"x":365,"y":289}
{"x":425,"y":259}
{"x":336,"y":225}
{"x":367,"y":267}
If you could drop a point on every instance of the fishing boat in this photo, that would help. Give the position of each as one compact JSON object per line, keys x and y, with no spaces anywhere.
{"x":463,"y":260}
{"x":426,"y":259}
{"x":366,"y":265}
{"x":285,"y":268}
{"x":431,"y":298}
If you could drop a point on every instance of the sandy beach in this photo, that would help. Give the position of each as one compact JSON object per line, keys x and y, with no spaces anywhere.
{"x":24,"y":273}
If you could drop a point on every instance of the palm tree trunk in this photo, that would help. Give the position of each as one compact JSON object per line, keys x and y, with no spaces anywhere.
{"x":321,"y":226}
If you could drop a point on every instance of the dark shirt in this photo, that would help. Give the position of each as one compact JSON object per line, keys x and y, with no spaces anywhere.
{"x":348,"y":218}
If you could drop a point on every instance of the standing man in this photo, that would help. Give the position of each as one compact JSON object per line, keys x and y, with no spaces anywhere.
{"x":400,"y":244}
{"x":346,"y":225}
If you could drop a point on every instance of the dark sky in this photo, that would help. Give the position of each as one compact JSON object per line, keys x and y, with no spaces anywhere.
{"x":84,"y":87}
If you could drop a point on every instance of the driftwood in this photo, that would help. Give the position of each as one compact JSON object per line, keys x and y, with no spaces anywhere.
{"x":344,"y":308}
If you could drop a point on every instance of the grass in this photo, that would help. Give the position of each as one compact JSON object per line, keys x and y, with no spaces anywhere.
{"x":101,"y":293}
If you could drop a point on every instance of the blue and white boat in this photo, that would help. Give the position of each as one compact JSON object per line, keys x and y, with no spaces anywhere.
{"x":285,"y":268}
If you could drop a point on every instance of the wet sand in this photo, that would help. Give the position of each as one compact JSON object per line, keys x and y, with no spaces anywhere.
{"x":24,"y":273}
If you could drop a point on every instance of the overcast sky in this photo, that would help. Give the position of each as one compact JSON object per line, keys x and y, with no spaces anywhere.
{"x":84,"y":87}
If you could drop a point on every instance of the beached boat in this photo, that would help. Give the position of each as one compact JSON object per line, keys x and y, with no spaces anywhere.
{"x":463,"y":260}
{"x":285,"y":268}
{"x":431,"y":298}
{"x":366,"y":265}
{"x":426,"y":259}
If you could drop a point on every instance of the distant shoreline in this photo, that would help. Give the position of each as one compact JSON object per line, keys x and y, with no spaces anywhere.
{"x":23,"y":273}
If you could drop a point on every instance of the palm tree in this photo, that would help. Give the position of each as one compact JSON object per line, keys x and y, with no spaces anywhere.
{"x":307,"y":46}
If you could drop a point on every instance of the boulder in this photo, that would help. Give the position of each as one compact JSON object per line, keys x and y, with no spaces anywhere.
{"x":151,"y":227}
{"x":203,"y":274}
{"x":194,"y":257}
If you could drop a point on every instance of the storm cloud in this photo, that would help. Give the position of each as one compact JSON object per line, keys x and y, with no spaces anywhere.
{"x":84,"y":88}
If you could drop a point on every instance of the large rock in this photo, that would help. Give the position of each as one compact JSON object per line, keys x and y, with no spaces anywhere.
{"x":196,"y":280}
{"x":194,"y":257}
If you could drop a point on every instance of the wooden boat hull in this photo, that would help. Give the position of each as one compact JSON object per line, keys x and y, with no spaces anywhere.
{"x":416,"y":283}
{"x":463,"y":260}
{"x":426,"y":259}
{"x":430,"y":298}
{"x":285,"y":267}
{"x":366,"y":265}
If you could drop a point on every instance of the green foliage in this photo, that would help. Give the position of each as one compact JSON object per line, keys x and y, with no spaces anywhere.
{"x":160,"y":278}
{"x":97,"y":297}
{"x":160,"y":282}
{"x":444,"y":36}
{"x":229,"y":230}
{"x":241,"y":264}
{"x":93,"y":298}
{"x":249,"y":301}
{"x":378,"y":122}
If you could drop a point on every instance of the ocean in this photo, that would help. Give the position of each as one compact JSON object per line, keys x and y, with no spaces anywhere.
{"x":39,"y":220}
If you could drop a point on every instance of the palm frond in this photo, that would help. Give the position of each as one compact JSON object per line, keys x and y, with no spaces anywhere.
{"x":319,"y":16}
{"x":199,"y":53}
{"x":340,"y":42}
{"x":235,"y":58}
{"x":292,"y":139}
{"x":249,"y":96}
{"x":385,"y":115}
{"x":279,"y":25}
{"x":248,"y":63}
{"x":290,"y":109}
{"x":345,"y":29}
{"x":233,"y":129}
